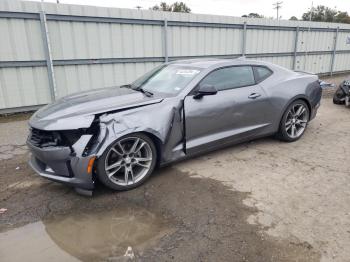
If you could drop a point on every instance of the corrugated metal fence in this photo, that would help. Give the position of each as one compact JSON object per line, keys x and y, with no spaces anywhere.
{"x":48,"y":51}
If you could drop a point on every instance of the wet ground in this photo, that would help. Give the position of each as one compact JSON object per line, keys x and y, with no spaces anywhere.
{"x":175,"y":216}
{"x":259,"y":201}
{"x":87,"y":235}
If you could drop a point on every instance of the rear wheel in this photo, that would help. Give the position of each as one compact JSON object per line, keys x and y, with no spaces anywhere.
{"x":339,"y":97}
{"x":294,"y":121}
{"x":127,"y":162}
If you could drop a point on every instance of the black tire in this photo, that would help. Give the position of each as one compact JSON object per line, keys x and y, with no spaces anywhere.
{"x":339,"y":97}
{"x":282,"y":133}
{"x":101,"y":170}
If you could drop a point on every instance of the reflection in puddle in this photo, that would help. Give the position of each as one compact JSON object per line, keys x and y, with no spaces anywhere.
{"x":85,"y":236}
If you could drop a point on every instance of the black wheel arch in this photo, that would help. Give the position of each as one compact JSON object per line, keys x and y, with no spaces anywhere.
{"x":299,"y":97}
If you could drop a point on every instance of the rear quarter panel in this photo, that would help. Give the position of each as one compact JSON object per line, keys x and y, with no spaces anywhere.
{"x":285,"y":87}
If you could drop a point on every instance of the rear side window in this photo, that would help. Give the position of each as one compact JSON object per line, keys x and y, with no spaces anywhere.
{"x":230,"y":77}
{"x":261,"y":73}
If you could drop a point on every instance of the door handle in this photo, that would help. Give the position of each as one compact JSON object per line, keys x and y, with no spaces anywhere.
{"x":254,"y":95}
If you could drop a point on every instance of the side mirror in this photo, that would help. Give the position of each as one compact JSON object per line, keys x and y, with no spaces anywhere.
{"x":205,"y":90}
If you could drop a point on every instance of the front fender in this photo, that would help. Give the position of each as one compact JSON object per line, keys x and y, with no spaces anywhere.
{"x":111,"y":132}
{"x":164,"y":123}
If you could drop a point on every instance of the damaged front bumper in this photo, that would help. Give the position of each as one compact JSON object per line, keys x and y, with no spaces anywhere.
{"x":67,"y":165}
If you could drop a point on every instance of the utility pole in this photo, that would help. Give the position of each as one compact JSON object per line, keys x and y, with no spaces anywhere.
{"x":277,"y":6}
{"x":311,"y":10}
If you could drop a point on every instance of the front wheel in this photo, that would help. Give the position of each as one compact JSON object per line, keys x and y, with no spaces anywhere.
{"x":127,"y":162}
{"x":294,"y":121}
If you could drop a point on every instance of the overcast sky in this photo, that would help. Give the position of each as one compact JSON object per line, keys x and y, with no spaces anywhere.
{"x":225,"y":7}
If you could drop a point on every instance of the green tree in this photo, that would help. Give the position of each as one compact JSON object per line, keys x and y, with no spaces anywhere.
{"x":162,"y":7}
{"x":321,"y":14}
{"x":293,"y":18}
{"x":253,"y":15}
{"x":180,"y":7}
{"x":342,"y":17}
{"x":326,"y":14}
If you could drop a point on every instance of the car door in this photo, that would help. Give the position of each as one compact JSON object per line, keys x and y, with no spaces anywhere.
{"x":240,"y":109}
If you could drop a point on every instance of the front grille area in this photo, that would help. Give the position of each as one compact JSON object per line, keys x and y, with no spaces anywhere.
{"x":40,"y":138}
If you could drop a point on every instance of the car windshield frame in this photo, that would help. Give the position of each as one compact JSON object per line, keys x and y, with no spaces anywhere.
{"x":186,"y":71}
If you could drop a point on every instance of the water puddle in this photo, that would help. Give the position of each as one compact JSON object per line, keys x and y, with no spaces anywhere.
{"x":84,"y":236}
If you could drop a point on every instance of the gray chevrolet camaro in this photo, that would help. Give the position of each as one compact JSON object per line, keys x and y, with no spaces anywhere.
{"x":179,"y":109}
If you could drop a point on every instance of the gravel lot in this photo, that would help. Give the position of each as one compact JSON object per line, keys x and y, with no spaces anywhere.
{"x":260,"y":201}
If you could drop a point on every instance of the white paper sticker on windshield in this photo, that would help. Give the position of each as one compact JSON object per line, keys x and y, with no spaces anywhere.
{"x":187,"y":72}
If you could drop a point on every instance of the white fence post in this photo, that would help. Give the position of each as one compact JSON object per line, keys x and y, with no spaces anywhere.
{"x":244,"y":39}
{"x":334,"y":49}
{"x":165,"y":41}
{"x":48,"y":56}
{"x":296,"y":39}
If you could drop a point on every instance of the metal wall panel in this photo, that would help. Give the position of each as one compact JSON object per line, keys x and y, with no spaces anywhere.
{"x":314,"y":63}
{"x":77,"y":78}
{"x":342,"y":62}
{"x":315,"y":41}
{"x":77,"y":40}
{"x":343,"y":41}
{"x":23,"y":87}
{"x":269,"y":41}
{"x":20,"y":40}
{"x":94,"y":47}
{"x":201,"y":41}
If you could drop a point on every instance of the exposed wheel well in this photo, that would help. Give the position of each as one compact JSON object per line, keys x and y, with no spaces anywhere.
{"x":298,"y":98}
{"x":295,"y":134}
{"x":307,"y":103}
{"x":302,"y":99}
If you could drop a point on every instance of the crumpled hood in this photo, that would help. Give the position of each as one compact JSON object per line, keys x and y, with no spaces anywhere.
{"x":78,"y":110}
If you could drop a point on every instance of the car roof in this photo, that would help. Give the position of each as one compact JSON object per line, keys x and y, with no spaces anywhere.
{"x":216,"y":62}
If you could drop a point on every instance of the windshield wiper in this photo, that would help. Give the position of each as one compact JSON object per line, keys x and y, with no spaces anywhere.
{"x":147,"y":93}
{"x":140,"y":89}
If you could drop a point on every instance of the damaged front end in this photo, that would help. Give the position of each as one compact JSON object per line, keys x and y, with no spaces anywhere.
{"x":64,"y":156}
{"x":65,"y":149}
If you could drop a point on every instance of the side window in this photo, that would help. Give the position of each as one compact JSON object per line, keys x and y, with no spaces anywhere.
{"x":261,"y":73}
{"x":230,"y":77}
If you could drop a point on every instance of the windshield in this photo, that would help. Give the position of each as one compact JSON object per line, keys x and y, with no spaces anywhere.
{"x":169,"y":79}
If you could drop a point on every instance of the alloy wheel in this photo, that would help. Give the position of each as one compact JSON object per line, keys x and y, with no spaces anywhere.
{"x":128,"y":161}
{"x":296,"y":120}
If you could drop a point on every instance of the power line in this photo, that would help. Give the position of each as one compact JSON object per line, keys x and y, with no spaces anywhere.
{"x":277,"y":6}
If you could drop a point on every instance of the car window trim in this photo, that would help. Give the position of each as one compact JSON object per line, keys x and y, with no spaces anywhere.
{"x":256,"y":73}
{"x":192,"y":92}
